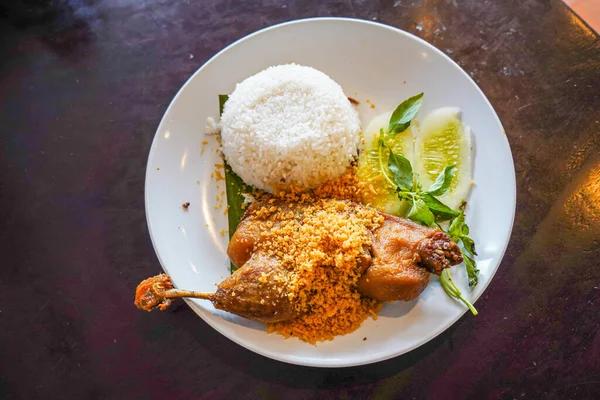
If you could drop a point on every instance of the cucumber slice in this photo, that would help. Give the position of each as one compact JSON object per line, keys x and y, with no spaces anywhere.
{"x":443,"y":140}
{"x":377,"y":192}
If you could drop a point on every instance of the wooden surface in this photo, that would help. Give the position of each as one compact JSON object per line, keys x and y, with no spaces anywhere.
{"x":83,"y":85}
{"x":588,"y":11}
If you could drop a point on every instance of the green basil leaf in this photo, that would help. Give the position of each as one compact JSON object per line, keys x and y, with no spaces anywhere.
{"x":439,"y":209}
{"x":469,"y":244}
{"x":384,"y":171}
{"x":404,"y":114}
{"x":472,"y":271}
{"x":401,"y":170}
{"x":419,"y":187}
{"x":419,"y":212}
{"x":458,"y":231}
{"x":443,"y":181}
{"x":455,"y":230}
{"x":465,"y":230}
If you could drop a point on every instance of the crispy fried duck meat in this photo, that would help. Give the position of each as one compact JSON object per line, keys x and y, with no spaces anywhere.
{"x":248,"y":294}
{"x":395,"y":267}
{"x":242,"y":293}
{"x":404,"y":253}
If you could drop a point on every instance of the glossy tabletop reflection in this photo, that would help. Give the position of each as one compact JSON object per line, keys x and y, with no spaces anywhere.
{"x":83,"y":85}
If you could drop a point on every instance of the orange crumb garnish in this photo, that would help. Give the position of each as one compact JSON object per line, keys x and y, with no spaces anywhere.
{"x":319,"y":240}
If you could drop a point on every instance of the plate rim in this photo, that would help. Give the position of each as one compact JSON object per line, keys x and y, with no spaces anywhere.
{"x":291,"y":358}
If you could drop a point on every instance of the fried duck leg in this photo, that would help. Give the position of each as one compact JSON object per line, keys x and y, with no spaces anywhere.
{"x":244,"y":293}
{"x":397,"y":265}
{"x":404,"y":254}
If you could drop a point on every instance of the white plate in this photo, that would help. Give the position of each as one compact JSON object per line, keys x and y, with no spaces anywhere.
{"x":370,"y":61}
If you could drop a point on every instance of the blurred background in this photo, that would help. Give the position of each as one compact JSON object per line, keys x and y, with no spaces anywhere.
{"x":28,"y":12}
{"x":588,"y":10}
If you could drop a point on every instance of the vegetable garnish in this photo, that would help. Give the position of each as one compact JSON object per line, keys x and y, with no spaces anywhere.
{"x":235,"y":199}
{"x":401,"y":169}
{"x":458,"y":231}
{"x":443,"y":140}
{"x":425,"y":208}
{"x":404,"y":114}
{"x":234,"y":187}
{"x":452,"y":291}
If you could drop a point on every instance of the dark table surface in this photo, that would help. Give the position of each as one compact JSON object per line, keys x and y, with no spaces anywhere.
{"x":83,"y":85}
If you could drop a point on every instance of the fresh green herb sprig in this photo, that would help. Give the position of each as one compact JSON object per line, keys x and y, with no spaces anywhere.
{"x":458,"y":232}
{"x":425,"y":208}
{"x":452,"y":291}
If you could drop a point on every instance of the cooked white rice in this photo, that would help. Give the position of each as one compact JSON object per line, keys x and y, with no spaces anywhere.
{"x":289,"y":124}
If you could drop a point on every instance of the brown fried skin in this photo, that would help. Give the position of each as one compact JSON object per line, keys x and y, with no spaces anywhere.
{"x":251,"y":291}
{"x":404,"y":254}
{"x":247,"y":235}
{"x":241,"y":245}
{"x":397,"y":265}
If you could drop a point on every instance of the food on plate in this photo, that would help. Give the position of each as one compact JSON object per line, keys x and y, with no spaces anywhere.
{"x":289,"y":124}
{"x":444,"y":140}
{"x":404,"y":253}
{"x":377,"y":191}
{"x":422,"y":203}
{"x":151,"y":293}
{"x":316,"y":268}
{"x":333,"y":232}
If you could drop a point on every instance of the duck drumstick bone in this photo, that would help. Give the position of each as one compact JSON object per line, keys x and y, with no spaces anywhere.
{"x":245,"y":293}
{"x":157,"y":292}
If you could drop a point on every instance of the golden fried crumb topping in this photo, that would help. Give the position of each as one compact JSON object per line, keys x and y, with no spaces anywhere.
{"x":319,"y":240}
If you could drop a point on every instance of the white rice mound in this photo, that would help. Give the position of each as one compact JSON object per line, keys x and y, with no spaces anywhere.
{"x":289,"y":124}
